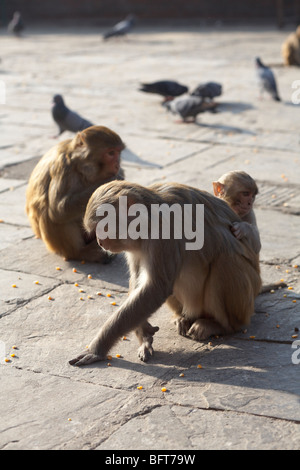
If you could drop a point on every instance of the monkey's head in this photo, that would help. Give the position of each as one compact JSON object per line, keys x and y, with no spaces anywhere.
{"x":106,"y":215}
{"x":238,"y":189}
{"x":96,"y":153}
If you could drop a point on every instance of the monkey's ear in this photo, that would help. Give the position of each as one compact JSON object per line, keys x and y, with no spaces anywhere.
{"x":79,"y":140}
{"x":218,"y":188}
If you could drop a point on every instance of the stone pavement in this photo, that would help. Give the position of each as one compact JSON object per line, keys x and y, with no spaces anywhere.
{"x":246,"y":394}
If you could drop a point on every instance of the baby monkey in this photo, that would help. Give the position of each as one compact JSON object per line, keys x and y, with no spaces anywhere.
{"x":239,"y":190}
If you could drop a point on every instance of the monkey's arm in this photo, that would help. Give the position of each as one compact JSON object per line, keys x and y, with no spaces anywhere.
{"x":249,"y":231}
{"x":67,"y":202}
{"x":132,"y":315}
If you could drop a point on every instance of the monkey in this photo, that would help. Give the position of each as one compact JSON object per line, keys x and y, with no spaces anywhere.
{"x":211,"y":289}
{"x":61,"y":185}
{"x":239,"y":190}
{"x":291,"y":48}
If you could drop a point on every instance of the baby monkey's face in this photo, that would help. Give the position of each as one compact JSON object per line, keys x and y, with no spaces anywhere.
{"x":243,"y":203}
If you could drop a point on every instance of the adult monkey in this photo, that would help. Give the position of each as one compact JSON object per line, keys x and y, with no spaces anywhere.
{"x":211,"y":290}
{"x":61,"y":185}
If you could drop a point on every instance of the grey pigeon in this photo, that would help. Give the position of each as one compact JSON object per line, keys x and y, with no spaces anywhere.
{"x":266,"y":79}
{"x":208,"y":90}
{"x":121,"y":28}
{"x":169,"y":89}
{"x":16,"y":25}
{"x":189,"y":106}
{"x":66,"y":119}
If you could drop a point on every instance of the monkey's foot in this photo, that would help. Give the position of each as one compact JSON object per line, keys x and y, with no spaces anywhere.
{"x":145,"y":351}
{"x":203,"y":328}
{"x":86,"y":357}
{"x":183,"y":326}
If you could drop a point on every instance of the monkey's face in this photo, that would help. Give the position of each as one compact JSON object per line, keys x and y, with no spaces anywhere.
{"x":243,"y":203}
{"x":100,"y":166}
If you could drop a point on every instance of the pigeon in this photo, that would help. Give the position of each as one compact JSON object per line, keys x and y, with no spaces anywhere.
{"x":169,"y":89}
{"x":66,"y":119}
{"x":266,"y":79}
{"x":121,"y":28}
{"x":189,"y":106}
{"x":16,"y":25}
{"x":208,"y":90}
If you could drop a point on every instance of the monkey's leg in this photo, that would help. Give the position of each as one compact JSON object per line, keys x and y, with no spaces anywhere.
{"x":145,"y":334}
{"x":182,"y":323}
{"x":277,"y":285}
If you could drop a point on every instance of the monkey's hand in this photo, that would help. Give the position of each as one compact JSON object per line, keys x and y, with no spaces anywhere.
{"x":88,"y":356}
{"x":238,"y":231}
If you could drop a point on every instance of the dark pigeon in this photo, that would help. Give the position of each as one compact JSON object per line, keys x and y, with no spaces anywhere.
{"x":189,"y":106}
{"x":169,"y":89}
{"x":16,"y":25}
{"x":266,"y":79}
{"x":208,"y":90}
{"x":121,"y":28}
{"x":66,"y":119}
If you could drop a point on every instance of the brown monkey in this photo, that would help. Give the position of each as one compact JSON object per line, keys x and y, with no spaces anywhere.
{"x":61,"y":185}
{"x":239,"y":190}
{"x":211,"y":289}
{"x":291,"y":48}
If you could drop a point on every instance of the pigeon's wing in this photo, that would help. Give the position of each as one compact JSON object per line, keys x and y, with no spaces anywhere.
{"x":74,"y":122}
{"x":208,"y":90}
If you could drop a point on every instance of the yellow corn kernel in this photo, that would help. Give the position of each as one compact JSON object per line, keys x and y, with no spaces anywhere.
{"x":81,"y":298}
{"x":13,"y":355}
{"x":163,"y":389}
{"x":90,"y":297}
{"x":7,"y":360}
{"x":281,"y":280}
{"x":74,"y":270}
{"x":181,"y":375}
{"x":294,"y":301}
{"x":252,"y":337}
{"x":90,"y":276}
{"x":199,"y":366}
{"x":124,"y":338}
{"x":36,"y":282}
{"x":118,"y":355}
{"x":113,"y":303}
{"x":81,"y":290}
{"x":14,"y":347}
{"x":14,"y":285}
{"x":294,"y":336}
{"x":49,"y":297}
{"x":290,"y":288}
{"x":108,"y":295}
{"x":140,"y":387}
{"x":295,"y":266}
{"x":287,"y":270}
{"x":58,"y":268}
{"x":76,"y":284}
{"x":69,"y":419}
